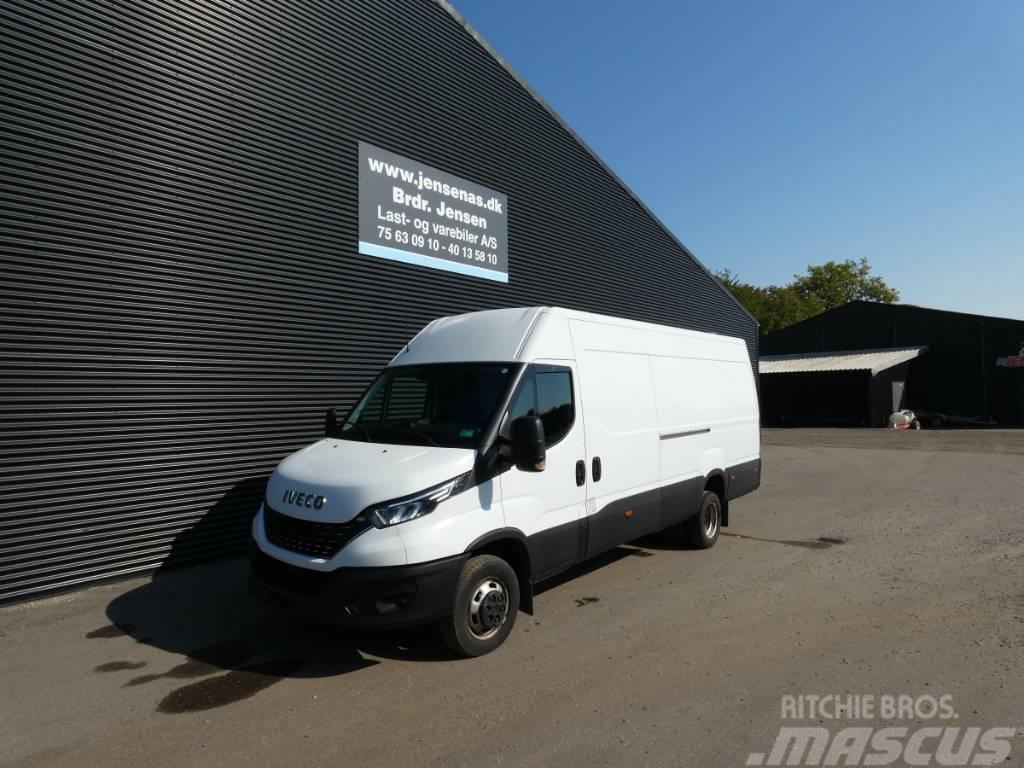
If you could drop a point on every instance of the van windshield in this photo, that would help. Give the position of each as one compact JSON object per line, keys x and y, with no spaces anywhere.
{"x":447,"y":405}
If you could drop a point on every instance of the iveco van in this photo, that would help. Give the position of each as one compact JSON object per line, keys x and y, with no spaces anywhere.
{"x":497,"y":449}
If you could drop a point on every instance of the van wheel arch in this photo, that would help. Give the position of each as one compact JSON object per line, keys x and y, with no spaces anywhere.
{"x":716,"y":484}
{"x":510,"y":545}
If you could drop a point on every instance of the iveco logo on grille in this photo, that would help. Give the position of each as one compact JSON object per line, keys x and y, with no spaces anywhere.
{"x":307,"y":500}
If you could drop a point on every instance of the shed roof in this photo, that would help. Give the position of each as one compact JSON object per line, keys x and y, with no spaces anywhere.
{"x":874,"y":360}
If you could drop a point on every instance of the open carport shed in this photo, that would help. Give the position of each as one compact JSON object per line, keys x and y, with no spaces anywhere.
{"x":858,"y":388}
{"x":974,"y":365}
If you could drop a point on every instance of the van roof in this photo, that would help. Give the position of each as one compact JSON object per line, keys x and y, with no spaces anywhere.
{"x":504,"y":335}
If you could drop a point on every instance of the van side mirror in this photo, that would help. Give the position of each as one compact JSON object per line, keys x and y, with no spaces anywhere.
{"x":331,"y":423}
{"x":528,"y":448}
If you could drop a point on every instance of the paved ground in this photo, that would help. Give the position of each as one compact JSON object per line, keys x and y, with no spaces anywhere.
{"x":1008,"y":441}
{"x":653,"y":657}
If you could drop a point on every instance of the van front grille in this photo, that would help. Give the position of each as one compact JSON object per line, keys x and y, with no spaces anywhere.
{"x":308,"y":537}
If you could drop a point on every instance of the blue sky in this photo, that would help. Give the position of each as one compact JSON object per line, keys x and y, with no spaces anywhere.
{"x":773,"y":135}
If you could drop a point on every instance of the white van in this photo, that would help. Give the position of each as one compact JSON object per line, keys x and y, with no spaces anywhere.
{"x":497,"y":449}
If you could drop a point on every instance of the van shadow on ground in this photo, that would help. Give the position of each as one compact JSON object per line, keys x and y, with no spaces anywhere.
{"x":230,"y":644}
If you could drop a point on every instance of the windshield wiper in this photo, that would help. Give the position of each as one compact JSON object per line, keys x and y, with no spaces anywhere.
{"x":426,"y":438}
{"x":366,"y":430}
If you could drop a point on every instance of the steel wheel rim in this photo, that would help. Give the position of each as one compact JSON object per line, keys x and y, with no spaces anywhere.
{"x":711,"y":520}
{"x":488,"y":608}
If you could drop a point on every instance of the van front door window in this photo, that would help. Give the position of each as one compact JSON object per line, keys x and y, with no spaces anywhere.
{"x":544,"y":391}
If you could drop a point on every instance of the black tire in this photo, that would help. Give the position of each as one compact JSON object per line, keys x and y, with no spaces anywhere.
{"x":915,"y":424}
{"x":485,"y":607}
{"x":938,"y":422}
{"x":701,"y":531}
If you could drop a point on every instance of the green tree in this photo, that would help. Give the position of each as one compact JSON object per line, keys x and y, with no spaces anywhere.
{"x":835,"y":283}
{"x":823,"y":287}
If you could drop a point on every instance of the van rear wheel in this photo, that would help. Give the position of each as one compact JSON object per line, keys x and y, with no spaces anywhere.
{"x":701,"y":531}
{"x":485,"y":607}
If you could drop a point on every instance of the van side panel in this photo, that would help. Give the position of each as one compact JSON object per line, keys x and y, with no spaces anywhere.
{"x":728,"y":408}
{"x":617,"y":398}
{"x":682,"y":440}
{"x":677,"y":385}
{"x":664,"y":410}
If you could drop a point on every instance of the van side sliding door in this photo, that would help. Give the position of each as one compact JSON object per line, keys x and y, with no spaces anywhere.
{"x":621,"y":434}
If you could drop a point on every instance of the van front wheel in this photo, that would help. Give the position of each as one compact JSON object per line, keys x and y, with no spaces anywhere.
{"x":485,"y":607}
{"x":701,"y":531}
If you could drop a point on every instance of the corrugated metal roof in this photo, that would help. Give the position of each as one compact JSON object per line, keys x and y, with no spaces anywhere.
{"x":874,"y":360}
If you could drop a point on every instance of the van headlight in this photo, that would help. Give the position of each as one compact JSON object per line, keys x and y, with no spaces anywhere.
{"x":411,"y":507}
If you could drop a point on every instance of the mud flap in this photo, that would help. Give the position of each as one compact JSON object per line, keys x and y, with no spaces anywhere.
{"x":526,"y":598}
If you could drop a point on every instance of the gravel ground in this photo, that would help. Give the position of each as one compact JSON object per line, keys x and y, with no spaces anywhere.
{"x":1008,"y":441}
{"x":871,"y":563}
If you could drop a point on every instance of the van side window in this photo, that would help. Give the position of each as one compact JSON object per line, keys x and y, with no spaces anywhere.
{"x":554,"y":402}
{"x":524,"y":401}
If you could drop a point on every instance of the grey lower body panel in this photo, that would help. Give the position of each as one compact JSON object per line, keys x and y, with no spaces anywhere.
{"x":743,"y":479}
{"x":618,"y":522}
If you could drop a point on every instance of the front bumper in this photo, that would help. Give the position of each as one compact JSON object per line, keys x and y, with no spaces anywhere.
{"x":387,"y":597}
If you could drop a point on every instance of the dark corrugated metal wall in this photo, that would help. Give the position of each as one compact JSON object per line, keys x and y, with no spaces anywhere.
{"x":182,"y":297}
{"x":957,"y":373}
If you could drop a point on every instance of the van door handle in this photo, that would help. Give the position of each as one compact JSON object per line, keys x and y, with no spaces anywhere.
{"x":595,"y":468}
{"x":581,"y":472}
